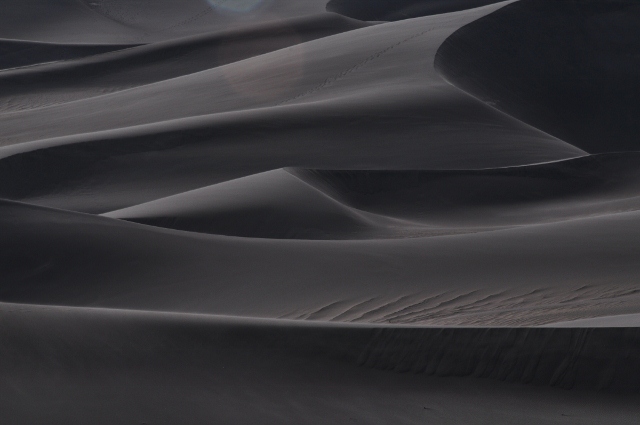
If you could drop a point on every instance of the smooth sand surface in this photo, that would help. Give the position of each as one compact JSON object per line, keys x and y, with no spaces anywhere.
{"x":114,"y":366}
{"x":395,"y":10}
{"x":621,"y":320}
{"x":319,"y":212}
{"x":524,"y":275}
{"x":367,"y":99}
{"x":565,"y":67}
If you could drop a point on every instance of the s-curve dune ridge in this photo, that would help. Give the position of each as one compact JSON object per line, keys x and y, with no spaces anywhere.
{"x":319,"y":212}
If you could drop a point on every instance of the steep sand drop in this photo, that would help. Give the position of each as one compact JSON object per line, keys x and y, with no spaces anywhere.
{"x":566,"y":67}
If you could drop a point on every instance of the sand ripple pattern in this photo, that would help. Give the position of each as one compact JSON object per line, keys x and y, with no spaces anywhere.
{"x":292,"y":212}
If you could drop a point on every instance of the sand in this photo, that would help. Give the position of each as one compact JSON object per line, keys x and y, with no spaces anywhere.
{"x":310,"y":212}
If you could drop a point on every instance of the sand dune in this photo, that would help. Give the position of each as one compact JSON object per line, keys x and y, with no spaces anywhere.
{"x":338,"y":102}
{"x":333,"y":204}
{"x":395,"y":10}
{"x":274,"y":204}
{"x":332,"y":70}
{"x":565,"y":67}
{"x":540,"y":193}
{"x":519,"y":276}
{"x":107,"y":73}
{"x":117,"y":21}
{"x":19,"y":53}
{"x":134,"y":161}
{"x":619,"y":320}
{"x":314,"y":212}
{"x":118,"y":366}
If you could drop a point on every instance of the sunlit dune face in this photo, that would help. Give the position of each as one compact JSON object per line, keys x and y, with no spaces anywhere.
{"x":271,"y":79}
{"x":238,"y":6}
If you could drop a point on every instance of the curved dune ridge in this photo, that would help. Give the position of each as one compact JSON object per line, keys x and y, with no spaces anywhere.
{"x":314,"y":211}
{"x":395,"y":10}
{"x":369,"y":204}
{"x":564,"y":67}
{"x":21,"y":53}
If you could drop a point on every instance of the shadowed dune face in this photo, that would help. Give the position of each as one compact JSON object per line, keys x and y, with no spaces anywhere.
{"x":366,"y":204}
{"x":268,"y":205}
{"x":527,"y":275}
{"x":363,"y":146}
{"x":395,"y":10}
{"x":562,"y":190}
{"x":18,"y":53}
{"x":69,"y":80}
{"x":138,"y":21}
{"x":124,"y":367}
{"x":566,"y":67}
{"x":319,"y":212}
{"x":368,"y":98}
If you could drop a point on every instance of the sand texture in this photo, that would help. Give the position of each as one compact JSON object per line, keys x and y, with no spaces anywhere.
{"x":319,"y":212}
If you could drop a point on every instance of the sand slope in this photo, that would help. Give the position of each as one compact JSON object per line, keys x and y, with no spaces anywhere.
{"x":109,"y":21}
{"x":353,"y":100}
{"x":19,"y":53}
{"x":335,"y":204}
{"x":319,"y":212}
{"x":520,"y":276}
{"x":388,"y":10}
{"x":565,"y":67}
{"x":274,"y":204}
{"x":123,"y":367}
{"x":62,"y":82}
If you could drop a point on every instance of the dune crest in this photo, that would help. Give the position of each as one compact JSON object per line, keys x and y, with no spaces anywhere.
{"x":564,"y":67}
{"x":319,"y":212}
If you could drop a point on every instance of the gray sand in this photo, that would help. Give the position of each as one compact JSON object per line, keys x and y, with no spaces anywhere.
{"x":319,"y":212}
